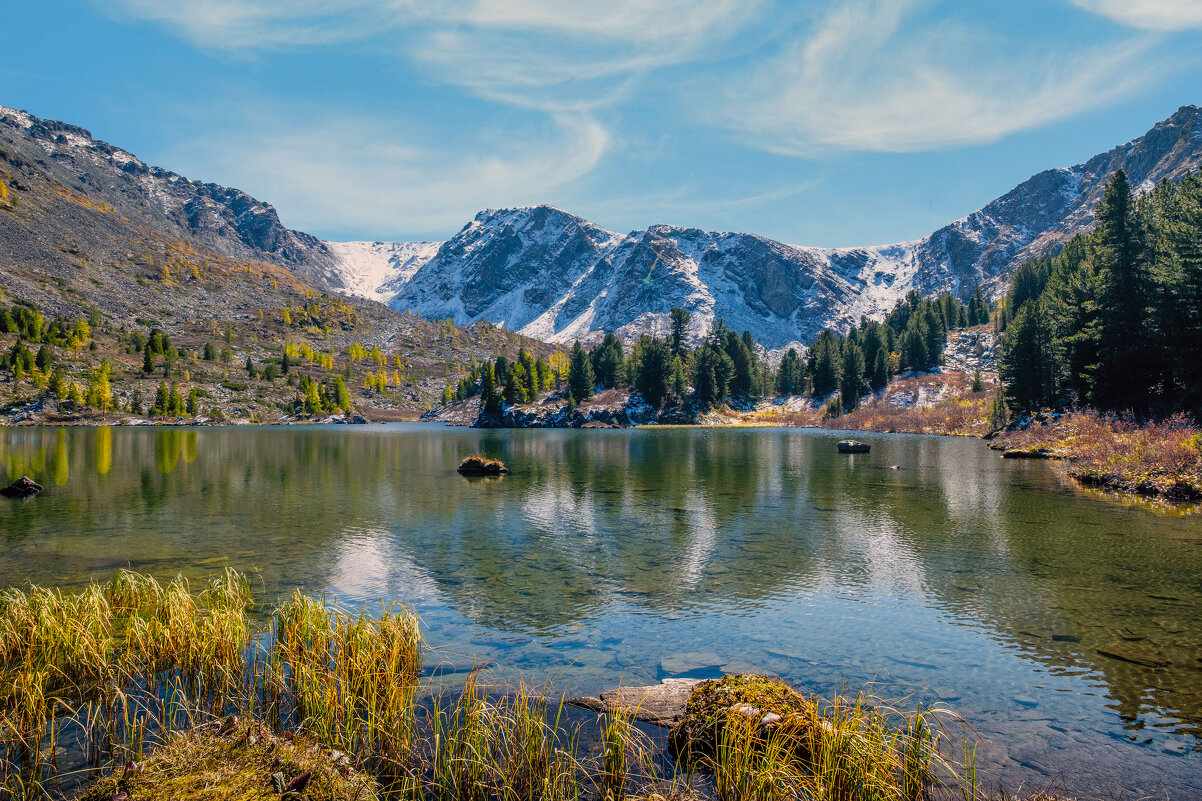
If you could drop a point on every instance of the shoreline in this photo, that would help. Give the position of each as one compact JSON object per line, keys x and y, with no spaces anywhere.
{"x":1175,"y":491}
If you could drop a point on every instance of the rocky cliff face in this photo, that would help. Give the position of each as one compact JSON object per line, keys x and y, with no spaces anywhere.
{"x":217,"y":219}
{"x":554,"y":276}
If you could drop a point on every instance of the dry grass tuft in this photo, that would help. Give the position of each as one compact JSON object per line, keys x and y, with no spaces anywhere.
{"x":238,"y":765}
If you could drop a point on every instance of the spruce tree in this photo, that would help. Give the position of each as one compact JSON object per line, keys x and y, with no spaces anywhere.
{"x":852,"y":385}
{"x":712,"y":373}
{"x":490,"y":395}
{"x":162,"y":400}
{"x":147,"y":360}
{"x":827,"y":370}
{"x":1120,"y":379}
{"x":680,"y":382}
{"x":580,"y":374}
{"x":680,"y":324}
{"x":1178,"y":281}
{"x":607,"y":359}
{"x":879,"y":377}
{"x":655,"y":372}
{"x":1028,"y":366}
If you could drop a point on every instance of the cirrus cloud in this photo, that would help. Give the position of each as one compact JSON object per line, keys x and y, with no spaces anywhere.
{"x":363,"y":175}
{"x":870,"y":77}
{"x":1154,"y":15}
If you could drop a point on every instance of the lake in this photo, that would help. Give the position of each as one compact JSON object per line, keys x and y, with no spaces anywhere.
{"x":1064,"y":627}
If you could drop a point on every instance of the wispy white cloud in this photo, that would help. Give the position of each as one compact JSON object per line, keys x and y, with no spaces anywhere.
{"x":551,"y":54}
{"x":866,"y":78}
{"x":239,"y":25}
{"x":1154,"y":15}
{"x":363,"y":176}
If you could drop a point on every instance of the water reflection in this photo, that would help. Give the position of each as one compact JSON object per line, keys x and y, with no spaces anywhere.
{"x":611,"y":551}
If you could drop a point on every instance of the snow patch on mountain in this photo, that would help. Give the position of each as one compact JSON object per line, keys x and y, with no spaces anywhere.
{"x":371,"y":269}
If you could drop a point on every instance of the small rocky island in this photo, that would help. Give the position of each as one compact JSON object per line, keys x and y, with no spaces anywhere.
{"x":480,"y":465}
{"x":23,"y":487}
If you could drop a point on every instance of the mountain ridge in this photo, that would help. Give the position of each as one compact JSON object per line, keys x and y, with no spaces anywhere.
{"x":555,"y":276}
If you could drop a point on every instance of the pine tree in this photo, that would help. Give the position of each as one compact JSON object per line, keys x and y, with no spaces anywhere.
{"x":655,"y":372}
{"x":999,"y":410}
{"x":490,"y":395}
{"x":1120,"y":379}
{"x":852,"y":385}
{"x":607,"y":359}
{"x":879,"y":377}
{"x":790,"y":376}
{"x":1177,"y":273}
{"x":826,"y":369}
{"x":1028,"y":366}
{"x":679,"y":381}
{"x":712,"y":373}
{"x":147,"y":360}
{"x":680,"y":325}
{"x":162,"y":400}
{"x":250,"y":367}
{"x":580,"y":374}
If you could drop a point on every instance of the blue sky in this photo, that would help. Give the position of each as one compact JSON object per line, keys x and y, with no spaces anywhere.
{"x":847,"y":122}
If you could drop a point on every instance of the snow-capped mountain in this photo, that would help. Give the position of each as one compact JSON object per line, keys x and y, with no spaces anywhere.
{"x":554,"y":276}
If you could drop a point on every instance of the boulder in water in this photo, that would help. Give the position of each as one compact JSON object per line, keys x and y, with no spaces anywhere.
{"x":23,"y":487}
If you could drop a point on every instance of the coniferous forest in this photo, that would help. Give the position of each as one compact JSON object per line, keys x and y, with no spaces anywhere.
{"x":1114,"y":321}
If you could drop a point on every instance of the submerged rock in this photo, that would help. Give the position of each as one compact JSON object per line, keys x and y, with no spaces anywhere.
{"x":23,"y":487}
{"x":1126,"y":651}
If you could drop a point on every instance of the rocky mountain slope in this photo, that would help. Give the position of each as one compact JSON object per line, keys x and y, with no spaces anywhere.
{"x":557,"y":277}
{"x":90,"y":232}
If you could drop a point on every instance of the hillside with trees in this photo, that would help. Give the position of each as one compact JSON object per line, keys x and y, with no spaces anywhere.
{"x":726,"y":369}
{"x":1103,"y":344}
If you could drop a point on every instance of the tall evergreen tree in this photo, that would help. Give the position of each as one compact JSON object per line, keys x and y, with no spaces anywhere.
{"x":712,"y":372}
{"x":1177,"y":273}
{"x":655,"y":372}
{"x":790,"y":376}
{"x":1028,"y":367}
{"x":1120,"y":379}
{"x":680,"y":324}
{"x":490,"y":394}
{"x":826,"y":371}
{"x":852,"y":385}
{"x":607,"y":358}
{"x":580,"y":374}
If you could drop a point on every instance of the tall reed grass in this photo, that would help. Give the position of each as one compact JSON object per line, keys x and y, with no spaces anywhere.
{"x":109,"y":672}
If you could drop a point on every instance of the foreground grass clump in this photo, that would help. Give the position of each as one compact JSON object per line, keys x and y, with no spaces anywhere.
{"x":107,"y":665}
{"x":136,"y":671}
{"x":763,"y":740}
{"x":243,"y":763}
{"x":1158,"y":459}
